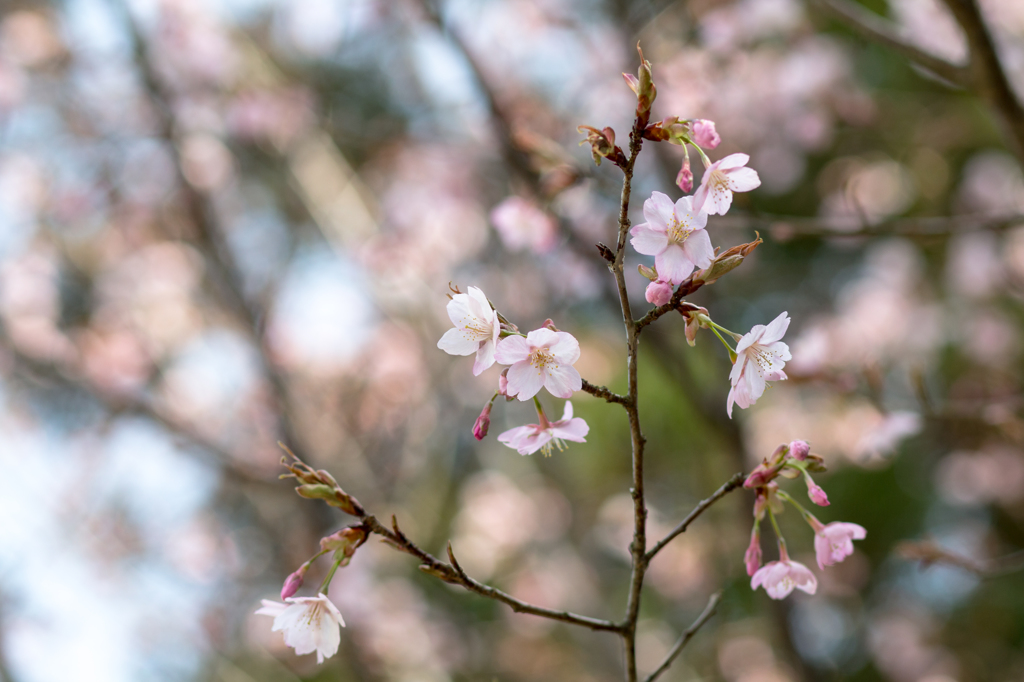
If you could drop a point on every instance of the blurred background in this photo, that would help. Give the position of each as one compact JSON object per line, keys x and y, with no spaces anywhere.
{"x":228,"y":223}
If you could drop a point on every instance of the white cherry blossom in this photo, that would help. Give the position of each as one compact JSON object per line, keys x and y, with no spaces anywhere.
{"x":309,"y":624}
{"x":720,"y":180}
{"x":476,"y":329}
{"x":674,"y":234}
{"x":760,"y":357}
{"x":541,"y":359}
{"x":530,"y":438}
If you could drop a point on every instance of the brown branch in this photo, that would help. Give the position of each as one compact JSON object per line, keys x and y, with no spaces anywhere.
{"x":221,"y":264}
{"x":685,"y":638}
{"x":878,"y":30}
{"x":988,"y":77}
{"x":603,"y":392}
{"x":796,"y":227}
{"x":735,"y":482}
{"x":929,"y":553}
{"x":454,"y":574}
{"x":637,"y":440}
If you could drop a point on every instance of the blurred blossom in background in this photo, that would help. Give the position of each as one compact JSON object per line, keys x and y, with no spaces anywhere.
{"x":225,"y":224}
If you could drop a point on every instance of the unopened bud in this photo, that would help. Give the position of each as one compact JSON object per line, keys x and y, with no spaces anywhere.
{"x":704,"y":134}
{"x":633,"y":82}
{"x":645,"y":90}
{"x":316,"y":491}
{"x":799,"y":449}
{"x":752,"y":557}
{"x":684,"y":179}
{"x":658,"y":293}
{"x":758,"y":477}
{"x":815,"y":492}
{"x":483,"y":422}
{"x":294,"y":581}
{"x":649,"y":273}
{"x":438,"y":573}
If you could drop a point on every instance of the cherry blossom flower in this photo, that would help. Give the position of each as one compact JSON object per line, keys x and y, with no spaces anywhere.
{"x":675,"y":236}
{"x":779,"y":578}
{"x":523,"y":225}
{"x":799,"y":449}
{"x":704,"y":134}
{"x":833,"y":542}
{"x":658,"y":293}
{"x":543,"y":359}
{"x":533,"y":437}
{"x":309,"y":624}
{"x":720,"y":180}
{"x":476,"y":329}
{"x":760,"y":357}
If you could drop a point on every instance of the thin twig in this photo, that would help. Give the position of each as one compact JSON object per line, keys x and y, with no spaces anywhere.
{"x":796,"y":227}
{"x":454,"y":574}
{"x":689,"y":286}
{"x":878,"y":30}
{"x":735,"y":482}
{"x":988,"y":77}
{"x":603,"y":392}
{"x":685,"y":638}
{"x":928,"y":553}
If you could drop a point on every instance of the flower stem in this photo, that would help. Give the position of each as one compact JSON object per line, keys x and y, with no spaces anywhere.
{"x":778,"y":533}
{"x":330,"y":576}
{"x":732,"y":353}
{"x":810,"y":518}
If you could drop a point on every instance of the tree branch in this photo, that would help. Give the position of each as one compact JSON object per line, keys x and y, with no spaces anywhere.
{"x":878,"y":30}
{"x":685,"y":638}
{"x":988,"y":77}
{"x":637,"y":440}
{"x":455,"y":575}
{"x":735,"y":482}
{"x":603,"y":392}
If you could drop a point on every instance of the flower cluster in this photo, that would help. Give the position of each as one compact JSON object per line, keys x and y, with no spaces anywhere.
{"x":833,"y":542}
{"x":543,"y":358}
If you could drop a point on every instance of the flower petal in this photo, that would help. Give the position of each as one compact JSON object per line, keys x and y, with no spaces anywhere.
{"x":566,"y":349}
{"x":776,"y":329}
{"x":647,"y":240}
{"x":455,"y":342}
{"x":512,"y":349}
{"x":484,"y":357}
{"x":658,"y":210}
{"x":525,"y":380}
{"x":562,"y":381}
{"x":698,"y":248}
{"x":743,"y":180}
{"x":575,"y":430}
{"x":673,"y":264}
{"x":732,"y":161}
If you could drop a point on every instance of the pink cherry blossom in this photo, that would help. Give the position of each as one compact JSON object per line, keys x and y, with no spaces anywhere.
{"x":720,"y":180}
{"x":834,"y":542}
{"x":309,"y":624}
{"x":658,"y":293}
{"x":533,"y":437}
{"x":704,"y":134}
{"x":674,"y":234}
{"x":779,"y":578}
{"x":760,"y":357}
{"x":523,"y":225}
{"x":543,"y":359}
{"x":476,"y":329}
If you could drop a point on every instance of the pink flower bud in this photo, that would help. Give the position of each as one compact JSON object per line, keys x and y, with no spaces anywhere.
{"x":483,"y":422}
{"x":294,"y":581}
{"x":632,"y":81}
{"x":799,"y":449}
{"x":752,"y":558}
{"x":503,"y":383}
{"x":816,"y":494}
{"x":659,"y":293}
{"x":758,"y":477}
{"x":685,"y":177}
{"x":704,"y":134}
